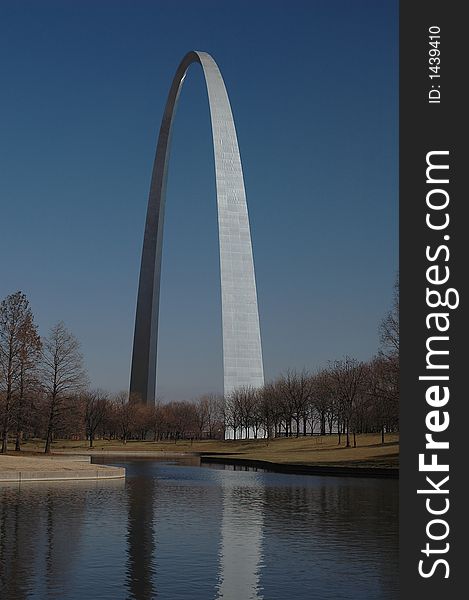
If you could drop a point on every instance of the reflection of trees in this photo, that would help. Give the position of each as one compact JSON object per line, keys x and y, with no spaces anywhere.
{"x":38,"y":537}
{"x":140,"y":542}
{"x":332,"y":507}
{"x":62,"y":534}
{"x":344,"y":530}
{"x":18,"y":543}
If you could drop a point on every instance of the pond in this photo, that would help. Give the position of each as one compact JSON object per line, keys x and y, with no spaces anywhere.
{"x":175,"y":529}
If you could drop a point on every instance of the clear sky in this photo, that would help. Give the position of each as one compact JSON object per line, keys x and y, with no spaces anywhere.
{"x":314,"y":91}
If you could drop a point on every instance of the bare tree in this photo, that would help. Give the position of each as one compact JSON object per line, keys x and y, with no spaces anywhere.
{"x":95,"y":407}
{"x":202,"y":415}
{"x":156,"y":420}
{"x":322,"y":400}
{"x":144,"y":415}
{"x":257,"y":416}
{"x":349,"y":376}
{"x":28,"y":384}
{"x":19,"y":347}
{"x":220,"y":416}
{"x":125,"y":414}
{"x":179,"y":420}
{"x":384,"y":392}
{"x":63,"y":375}
{"x":245,"y":397}
{"x":296,"y":388}
{"x":386,"y":372}
{"x":389,"y":328}
{"x":266,"y":409}
{"x":214,"y":416}
{"x":233,"y":414}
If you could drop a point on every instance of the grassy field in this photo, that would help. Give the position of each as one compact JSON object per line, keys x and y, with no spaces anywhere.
{"x":318,"y":450}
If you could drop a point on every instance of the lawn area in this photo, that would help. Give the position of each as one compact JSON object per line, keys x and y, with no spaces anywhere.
{"x":317,"y":450}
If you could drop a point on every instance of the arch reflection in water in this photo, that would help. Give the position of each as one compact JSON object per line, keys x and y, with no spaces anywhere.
{"x":240,"y":552}
{"x":141,"y":574}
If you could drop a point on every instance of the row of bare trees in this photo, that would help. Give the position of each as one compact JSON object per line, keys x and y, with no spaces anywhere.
{"x":37,"y":375}
{"x":96,"y":415}
{"x":113,"y":417}
{"x":347,"y":398}
{"x":44,"y":394}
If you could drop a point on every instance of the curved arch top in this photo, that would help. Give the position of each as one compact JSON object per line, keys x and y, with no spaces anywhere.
{"x":242,"y":352}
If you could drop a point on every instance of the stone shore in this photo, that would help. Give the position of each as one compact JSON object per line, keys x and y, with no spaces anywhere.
{"x":53,"y":468}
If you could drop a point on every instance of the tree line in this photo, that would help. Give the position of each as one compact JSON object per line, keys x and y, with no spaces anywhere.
{"x":44,"y":393}
{"x":346,"y":398}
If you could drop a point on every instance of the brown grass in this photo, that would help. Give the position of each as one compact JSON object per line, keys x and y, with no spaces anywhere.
{"x":318,"y":450}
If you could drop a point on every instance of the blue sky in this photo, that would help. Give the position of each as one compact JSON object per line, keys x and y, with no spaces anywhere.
{"x":314,"y":92}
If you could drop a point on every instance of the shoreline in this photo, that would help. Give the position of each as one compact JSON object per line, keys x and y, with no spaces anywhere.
{"x":315,"y":455}
{"x":298,"y":469}
{"x":277,"y":467}
{"x":130,"y":453}
{"x":17,"y":469}
{"x":65,"y":466}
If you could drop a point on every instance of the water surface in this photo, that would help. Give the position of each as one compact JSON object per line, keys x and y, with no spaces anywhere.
{"x":178,"y":530}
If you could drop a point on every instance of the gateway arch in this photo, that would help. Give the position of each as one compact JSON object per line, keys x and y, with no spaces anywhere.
{"x":242,"y":351}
